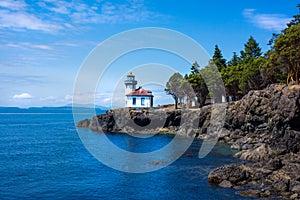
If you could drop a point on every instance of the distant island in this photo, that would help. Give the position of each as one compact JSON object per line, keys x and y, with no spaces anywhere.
{"x":89,"y":110}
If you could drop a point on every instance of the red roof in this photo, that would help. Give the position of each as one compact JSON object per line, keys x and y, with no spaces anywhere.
{"x":130,"y":74}
{"x":140,"y":92}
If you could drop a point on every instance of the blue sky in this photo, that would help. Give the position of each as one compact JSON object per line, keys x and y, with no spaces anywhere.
{"x":44,"y":42}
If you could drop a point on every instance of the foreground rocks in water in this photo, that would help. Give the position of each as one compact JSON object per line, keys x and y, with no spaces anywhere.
{"x":264,"y":125}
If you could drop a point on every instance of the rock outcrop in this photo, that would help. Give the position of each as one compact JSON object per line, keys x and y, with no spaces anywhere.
{"x":264,"y":125}
{"x":151,"y":121}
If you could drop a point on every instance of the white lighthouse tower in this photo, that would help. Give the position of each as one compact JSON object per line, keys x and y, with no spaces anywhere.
{"x":130,"y":83}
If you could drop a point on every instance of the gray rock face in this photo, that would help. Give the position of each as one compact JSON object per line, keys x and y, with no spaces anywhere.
{"x":226,"y":184}
{"x":238,"y":174}
{"x":264,"y":125}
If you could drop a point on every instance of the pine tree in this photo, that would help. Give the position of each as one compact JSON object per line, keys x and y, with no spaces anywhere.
{"x":251,"y":50}
{"x":195,"y":68}
{"x":218,"y":59}
{"x":234,"y":60}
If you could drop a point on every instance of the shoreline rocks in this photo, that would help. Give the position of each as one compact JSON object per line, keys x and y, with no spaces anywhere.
{"x":264,"y":125}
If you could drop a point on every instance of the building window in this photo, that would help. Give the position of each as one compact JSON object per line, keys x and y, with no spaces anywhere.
{"x":133,"y":101}
{"x":142,"y":101}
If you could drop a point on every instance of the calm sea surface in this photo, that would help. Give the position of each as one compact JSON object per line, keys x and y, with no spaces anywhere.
{"x":41,"y":156}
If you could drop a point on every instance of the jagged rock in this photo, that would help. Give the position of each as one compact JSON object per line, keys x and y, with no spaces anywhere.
{"x":83,"y":123}
{"x":255,"y":154}
{"x":296,"y":189}
{"x":226,"y":184}
{"x":250,"y":193}
{"x":274,"y":164}
{"x":294,"y":196}
{"x":233,"y":173}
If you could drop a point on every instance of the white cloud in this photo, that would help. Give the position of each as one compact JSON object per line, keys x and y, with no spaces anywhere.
{"x":12,"y":45}
{"x":41,"y":46}
{"x":23,"y":20}
{"x":22,"y":96}
{"x":272,"y":22}
{"x":29,"y":45}
{"x":67,"y":44}
{"x":59,"y":15}
{"x":13,"y":4}
{"x":107,"y":99}
{"x":49,"y":98}
{"x":68,"y":97}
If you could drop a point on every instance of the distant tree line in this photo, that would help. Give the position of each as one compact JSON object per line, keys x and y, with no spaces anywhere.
{"x":251,"y":69}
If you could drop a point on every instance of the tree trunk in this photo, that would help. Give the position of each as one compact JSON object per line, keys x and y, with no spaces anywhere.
{"x":297,"y":73}
{"x":289,"y":78}
{"x":201,"y":101}
{"x":187,"y":101}
{"x":176,"y":102}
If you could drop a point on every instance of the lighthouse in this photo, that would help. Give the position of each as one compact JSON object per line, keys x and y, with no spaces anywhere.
{"x":130,"y":83}
{"x":136,"y":97}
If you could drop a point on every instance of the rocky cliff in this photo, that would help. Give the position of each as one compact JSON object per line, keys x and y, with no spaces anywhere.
{"x":264,"y":125}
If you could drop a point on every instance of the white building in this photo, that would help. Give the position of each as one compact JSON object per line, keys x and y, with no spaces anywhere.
{"x":137,"y":97}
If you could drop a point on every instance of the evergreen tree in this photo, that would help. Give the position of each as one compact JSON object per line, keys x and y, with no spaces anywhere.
{"x":251,"y":50}
{"x":234,"y":60}
{"x":218,"y":59}
{"x":195,"y":68}
{"x":251,"y":71}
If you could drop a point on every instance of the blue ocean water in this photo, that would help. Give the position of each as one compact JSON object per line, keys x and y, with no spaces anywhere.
{"x":43,"y":157}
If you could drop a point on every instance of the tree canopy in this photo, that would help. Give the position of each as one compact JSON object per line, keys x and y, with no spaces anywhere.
{"x":198,"y":84}
{"x":287,"y":51}
{"x":173,"y":87}
{"x":250,"y":70}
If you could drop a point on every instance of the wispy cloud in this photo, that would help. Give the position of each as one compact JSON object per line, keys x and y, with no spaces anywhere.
{"x":49,"y":98}
{"x":23,"y":96}
{"x":21,"y":79}
{"x":127,"y":12}
{"x":272,"y":22}
{"x":21,"y":20}
{"x":13,"y":4}
{"x":68,"y":97}
{"x":27,"y":45}
{"x":60,"y":15}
